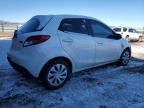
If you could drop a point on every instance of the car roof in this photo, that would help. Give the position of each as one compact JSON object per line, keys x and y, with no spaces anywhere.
{"x":66,"y":16}
{"x":63,"y":16}
{"x":72,"y":16}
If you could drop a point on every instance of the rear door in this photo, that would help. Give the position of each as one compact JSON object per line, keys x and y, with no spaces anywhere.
{"x":107,"y":48}
{"x":77,"y":42}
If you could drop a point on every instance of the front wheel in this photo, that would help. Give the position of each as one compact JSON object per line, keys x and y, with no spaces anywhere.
{"x":56,"y":74}
{"x":125,"y":57}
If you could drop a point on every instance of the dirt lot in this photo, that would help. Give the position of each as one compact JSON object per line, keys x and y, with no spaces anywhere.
{"x":107,"y":86}
{"x":6,"y":34}
{"x":138,"y":50}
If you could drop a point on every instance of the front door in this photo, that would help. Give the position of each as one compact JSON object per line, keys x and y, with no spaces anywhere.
{"x":107,"y":48}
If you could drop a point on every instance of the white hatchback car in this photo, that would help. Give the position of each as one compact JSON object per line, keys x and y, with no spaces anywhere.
{"x":51,"y":47}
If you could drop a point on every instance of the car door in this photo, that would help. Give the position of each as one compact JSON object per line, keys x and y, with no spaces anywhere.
{"x":77,"y":42}
{"x":107,"y":48}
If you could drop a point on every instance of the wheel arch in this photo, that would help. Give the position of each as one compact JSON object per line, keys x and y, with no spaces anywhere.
{"x":127,"y":48}
{"x":67,"y":60}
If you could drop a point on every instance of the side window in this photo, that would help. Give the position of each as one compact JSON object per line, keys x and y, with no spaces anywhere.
{"x":117,"y":29}
{"x":124,"y":29}
{"x":131,"y":30}
{"x":100,"y":30}
{"x":74,"y":25}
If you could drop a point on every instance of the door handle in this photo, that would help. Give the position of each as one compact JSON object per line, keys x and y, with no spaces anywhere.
{"x":68,"y":40}
{"x":100,"y":43}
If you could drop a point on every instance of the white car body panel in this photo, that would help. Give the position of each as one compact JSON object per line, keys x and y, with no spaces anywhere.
{"x":107,"y":50}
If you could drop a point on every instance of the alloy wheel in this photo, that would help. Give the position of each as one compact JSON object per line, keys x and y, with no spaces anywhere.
{"x":125,"y":57}
{"x":57,"y":74}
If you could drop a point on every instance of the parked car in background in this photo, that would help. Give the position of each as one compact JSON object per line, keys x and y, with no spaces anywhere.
{"x":129,"y":33}
{"x":52,"y":47}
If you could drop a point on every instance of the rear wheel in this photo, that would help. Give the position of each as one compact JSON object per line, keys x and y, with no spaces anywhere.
{"x":125,"y":57}
{"x":56,"y":74}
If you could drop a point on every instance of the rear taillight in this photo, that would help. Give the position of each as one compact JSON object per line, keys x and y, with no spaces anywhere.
{"x":33,"y":40}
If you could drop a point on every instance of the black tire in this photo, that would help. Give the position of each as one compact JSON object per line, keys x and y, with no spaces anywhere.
{"x":123,"y":61}
{"x":47,"y":72}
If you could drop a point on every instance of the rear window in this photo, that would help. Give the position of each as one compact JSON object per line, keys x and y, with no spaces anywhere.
{"x":30,"y":26}
{"x":117,"y":29}
{"x":36,"y":23}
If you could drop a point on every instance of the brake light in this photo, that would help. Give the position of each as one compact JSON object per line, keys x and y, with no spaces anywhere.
{"x":33,"y":40}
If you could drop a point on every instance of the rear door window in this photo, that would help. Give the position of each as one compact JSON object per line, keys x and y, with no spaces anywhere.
{"x":124,"y":29}
{"x":74,"y":25}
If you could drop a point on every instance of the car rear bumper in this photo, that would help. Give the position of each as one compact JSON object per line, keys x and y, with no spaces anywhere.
{"x":17,"y":67}
{"x":24,"y":63}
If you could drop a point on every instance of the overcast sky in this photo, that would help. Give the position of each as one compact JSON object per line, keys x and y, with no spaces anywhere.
{"x":112,"y":12}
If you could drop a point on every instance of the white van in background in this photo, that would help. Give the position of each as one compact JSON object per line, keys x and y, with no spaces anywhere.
{"x":129,"y":33}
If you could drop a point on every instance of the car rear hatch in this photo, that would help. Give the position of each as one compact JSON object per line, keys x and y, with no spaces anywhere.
{"x":33,"y":27}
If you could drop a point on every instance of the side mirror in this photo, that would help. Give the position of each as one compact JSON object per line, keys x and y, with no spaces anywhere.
{"x":118,"y":36}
